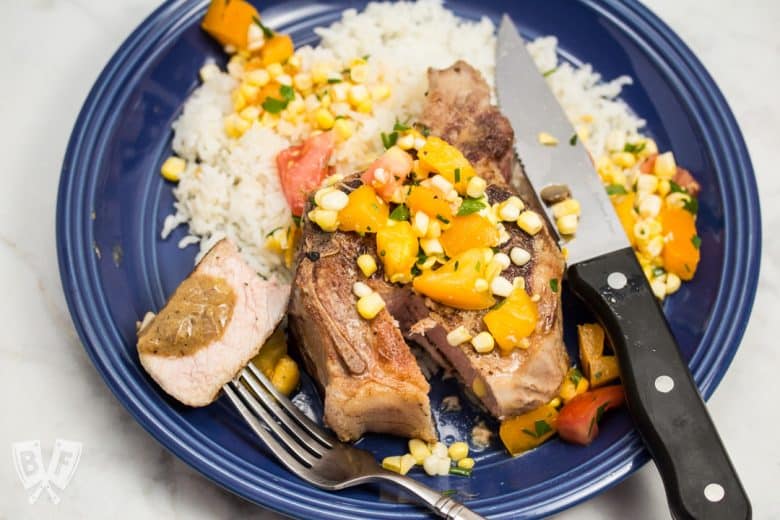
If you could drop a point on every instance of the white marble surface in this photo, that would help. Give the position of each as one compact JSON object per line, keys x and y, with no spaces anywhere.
{"x":51,"y":52}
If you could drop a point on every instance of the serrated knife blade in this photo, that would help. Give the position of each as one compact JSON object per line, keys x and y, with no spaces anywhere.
{"x":603,"y":271}
{"x":531,"y":107}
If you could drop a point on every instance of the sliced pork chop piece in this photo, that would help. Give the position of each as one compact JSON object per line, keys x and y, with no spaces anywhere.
{"x":370,"y":378}
{"x":215,"y":322}
{"x":458,"y":110}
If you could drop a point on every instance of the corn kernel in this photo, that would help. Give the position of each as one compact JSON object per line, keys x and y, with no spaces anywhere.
{"x":340,"y":91}
{"x":250,"y":113}
{"x":172,"y":168}
{"x":567,"y":224}
{"x":431,"y":246}
{"x":515,"y":201}
{"x":370,"y":305}
{"x":380,"y":92}
{"x":421,"y":221}
{"x":367,"y":265}
{"x":334,"y":200}
{"x":357,"y":94}
{"x":419,"y":450}
{"x":257,"y":77}
{"x":665,"y":166}
{"x":324,"y":119}
{"x":392,"y":463}
{"x":327,"y":220}
{"x":294,"y":62}
{"x":275,"y":70}
{"x":457,"y":336}
{"x":466,"y":463}
{"x":365,"y":106}
{"x":239,"y":101}
{"x":547,"y":139}
{"x":502,"y":260}
{"x":508,"y":212}
{"x":344,"y":128}
{"x":476,"y":187}
{"x":439,"y":450}
{"x":241,"y":125}
{"x":359,"y":73}
{"x":458,"y":451}
{"x":319,"y":73}
{"x":481,"y":285}
{"x":500,"y":286}
{"x":530,"y":222}
{"x":624,"y":159}
{"x":483,"y":343}
{"x":434,"y":229}
{"x":672,"y":283}
{"x":650,"y":148}
{"x":664,"y":187}
{"x":555,"y":402}
{"x":269,"y":120}
{"x":442,"y":184}
{"x":646,"y":183}
{"x":566,"y":207}
{"x":659,"y":288}
{"x":519,"y":256}
{"x":649,"y":206}
{"x":249,"y":91}
{"x":406,"y":142}
{"x":360,"y":289}
{"x":407,"y":463}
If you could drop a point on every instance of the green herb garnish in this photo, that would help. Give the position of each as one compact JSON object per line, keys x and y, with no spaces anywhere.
{"x":401,"y":212}
{"x":389,"y":140}
{"x":457,"y":264}
{"x":616,"y":189}
{"x":400,"y":127}
{"x":366,"y":56}
{"x":334,"y":80}
{"x":442,"y":219}
{"x":691,"y":205}
{"x":676,"y":188}
{"x":449,"y":492}
{"x":416,"y":271}
{"x":554,"y":284}
{"x":549,"y":72}
{"x":469,"y":206}
{"x":634,"y":147}
{"x":573,"y":139}
{"x":599,"y":412}
{"x":274,"y":230}
{"x":274,"y":106}
{"x":658,"y":271}
{"x":267,"y":33}
{"x":540,"y":428}
{"x":287,"y":92}
{"x":460,"y":472}
{"x":575,"y":377}
{"x":457,"y":174}
{"x":424,"y":130}
{"x":696,"y":241}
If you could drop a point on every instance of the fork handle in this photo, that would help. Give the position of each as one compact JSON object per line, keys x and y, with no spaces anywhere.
{"x":445,"y":507}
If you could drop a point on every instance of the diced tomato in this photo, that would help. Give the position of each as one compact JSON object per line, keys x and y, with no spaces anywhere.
{"x":578,"y":419}
{"x":303,"y":167}
{"x":682,"y":177}
{"x":648,"y":164}
{"x":396,"y":165}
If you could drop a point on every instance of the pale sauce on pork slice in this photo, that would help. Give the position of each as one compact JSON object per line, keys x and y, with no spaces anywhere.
{"x":197,"y":314}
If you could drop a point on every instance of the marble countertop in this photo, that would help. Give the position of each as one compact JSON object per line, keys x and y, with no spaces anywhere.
{"x":53,"y":50}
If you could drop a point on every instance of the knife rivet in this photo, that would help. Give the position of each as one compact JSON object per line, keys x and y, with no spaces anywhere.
{"x":617,"y":280}
{"x":714,"y":492}
{"x":664,"y":384}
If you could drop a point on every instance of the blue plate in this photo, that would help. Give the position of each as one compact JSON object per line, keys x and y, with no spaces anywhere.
{"x":114,"y":266}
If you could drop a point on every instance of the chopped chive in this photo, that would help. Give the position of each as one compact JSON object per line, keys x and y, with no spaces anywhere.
{"x":469,"y":206}
{"x":616,"y":189}
{"x":401,"y":212}
{"x":658,"y":271}
{"x":460,"y":472}
{"x":273,"y":105}
{"x":267,"y":33}
{"x":696,"y":241}
{"x":549,"y":72}
{"x":442,"y":219}
{"x":389,"y":140}
{"x":457,"y":174}
{"x":334,"y":80}
{"x":273,"y":231}
{"x":554,"y":284}
{"x":457,"y":264}
{"x":400,"y":127}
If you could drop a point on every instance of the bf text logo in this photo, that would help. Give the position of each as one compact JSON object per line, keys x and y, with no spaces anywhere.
{"x":36,"y":478}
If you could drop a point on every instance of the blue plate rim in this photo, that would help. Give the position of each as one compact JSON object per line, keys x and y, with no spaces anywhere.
{"x":702,"y":98}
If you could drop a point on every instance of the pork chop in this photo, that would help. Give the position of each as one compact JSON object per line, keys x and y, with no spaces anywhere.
{"x":215,"y":322}
{"x":369,"y":377}
{"x":458,"y":110}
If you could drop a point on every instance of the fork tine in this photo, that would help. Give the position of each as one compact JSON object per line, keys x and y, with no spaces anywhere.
{"x":282,"y":402}
{"x":277,"y":449}
{"x":303,"y":436}
{"x":281,"y":434}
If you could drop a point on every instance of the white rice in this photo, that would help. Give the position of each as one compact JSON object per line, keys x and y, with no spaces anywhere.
{"x":231,"y":188}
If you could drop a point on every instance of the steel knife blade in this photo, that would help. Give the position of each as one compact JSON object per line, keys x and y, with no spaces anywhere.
{"x":662,"y":397}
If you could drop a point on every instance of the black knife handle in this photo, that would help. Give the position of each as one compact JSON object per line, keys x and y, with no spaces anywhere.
{"x":700,"y":481}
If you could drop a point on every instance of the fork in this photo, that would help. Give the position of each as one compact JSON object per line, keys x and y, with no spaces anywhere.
{"x":313,"y":454}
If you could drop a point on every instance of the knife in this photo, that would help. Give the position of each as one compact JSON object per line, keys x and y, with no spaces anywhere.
{"x":663,"y":400}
